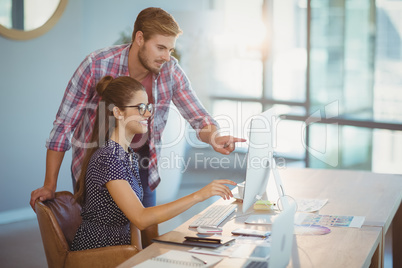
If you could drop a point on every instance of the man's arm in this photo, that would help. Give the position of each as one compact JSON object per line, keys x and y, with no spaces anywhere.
{"x":194,"y":112}
{"x":70,"y":112}
{"x":53,"y":163}
{"x":222,"y":144}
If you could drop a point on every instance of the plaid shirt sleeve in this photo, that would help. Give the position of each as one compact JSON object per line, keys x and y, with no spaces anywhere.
{"x":71,"y":109}
{"x":188,"y":103}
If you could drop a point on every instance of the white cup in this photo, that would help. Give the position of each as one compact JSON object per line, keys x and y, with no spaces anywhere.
{"x":240,"y":187}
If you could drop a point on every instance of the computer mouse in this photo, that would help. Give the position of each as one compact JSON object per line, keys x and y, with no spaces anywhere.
{"x":208,"y":230}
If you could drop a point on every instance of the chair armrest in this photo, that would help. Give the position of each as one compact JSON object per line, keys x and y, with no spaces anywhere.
{"x":100,"y":257}
{"x":135,"y":236}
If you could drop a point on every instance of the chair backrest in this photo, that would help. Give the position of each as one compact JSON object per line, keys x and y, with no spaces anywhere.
{"x":58,"y":221}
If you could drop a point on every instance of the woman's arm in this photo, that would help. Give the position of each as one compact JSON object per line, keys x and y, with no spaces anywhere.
{"x":128,"y":202}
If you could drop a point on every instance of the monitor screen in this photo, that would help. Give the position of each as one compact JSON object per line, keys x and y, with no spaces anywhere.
{"x":259,"y":156}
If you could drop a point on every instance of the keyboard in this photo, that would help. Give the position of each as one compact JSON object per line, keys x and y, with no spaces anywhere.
{"x":257,"y":264}
{"x":214,"y":216}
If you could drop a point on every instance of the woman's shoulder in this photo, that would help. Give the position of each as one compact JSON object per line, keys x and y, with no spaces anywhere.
{"x":108,"y":163}
{"x":109,"y":153}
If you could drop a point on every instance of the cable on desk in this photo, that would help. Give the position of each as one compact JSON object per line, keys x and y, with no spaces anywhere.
{"x":286,"y":196}
{"x":308,"y":257}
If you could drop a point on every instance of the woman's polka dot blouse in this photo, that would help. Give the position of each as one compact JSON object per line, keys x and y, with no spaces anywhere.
{"x":103,"y":223}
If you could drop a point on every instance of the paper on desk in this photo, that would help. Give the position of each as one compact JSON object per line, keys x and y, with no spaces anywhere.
{"x":310,"y":205}
{"x":244,"y":251}
{"x":221,"y":251}
{"x":176,"y":258}
{"x":240,"y":249}
{"x":329,"y":220}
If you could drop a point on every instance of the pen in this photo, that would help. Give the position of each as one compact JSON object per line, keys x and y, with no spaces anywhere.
{"x":198,"y":259}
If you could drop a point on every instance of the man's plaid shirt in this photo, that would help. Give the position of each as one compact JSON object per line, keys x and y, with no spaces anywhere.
{"x":77,"y":112}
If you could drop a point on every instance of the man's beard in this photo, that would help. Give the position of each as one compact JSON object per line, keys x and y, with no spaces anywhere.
{"x":144,"y":60}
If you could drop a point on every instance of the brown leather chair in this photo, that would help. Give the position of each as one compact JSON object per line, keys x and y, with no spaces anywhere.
{"x":58,"y":222}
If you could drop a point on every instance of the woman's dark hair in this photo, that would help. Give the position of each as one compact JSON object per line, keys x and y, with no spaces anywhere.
{"x":113,"y":92}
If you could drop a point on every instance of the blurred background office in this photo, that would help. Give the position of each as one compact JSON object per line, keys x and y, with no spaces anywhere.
{"x":331,"y":68}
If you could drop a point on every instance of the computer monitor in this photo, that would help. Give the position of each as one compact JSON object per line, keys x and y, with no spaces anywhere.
{"x":260,"y":159}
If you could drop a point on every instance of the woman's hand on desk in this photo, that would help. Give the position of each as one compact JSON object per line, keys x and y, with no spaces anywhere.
{"x":217,"y":187}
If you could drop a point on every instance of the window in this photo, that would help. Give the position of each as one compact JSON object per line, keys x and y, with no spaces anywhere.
{"x":334,"y":63}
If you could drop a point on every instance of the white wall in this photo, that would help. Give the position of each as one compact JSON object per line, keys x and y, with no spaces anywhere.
{"x":33,"y":77}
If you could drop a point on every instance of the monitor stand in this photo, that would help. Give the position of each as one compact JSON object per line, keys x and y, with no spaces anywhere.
{"x":279,"y":186}
{"x":267,"y":218}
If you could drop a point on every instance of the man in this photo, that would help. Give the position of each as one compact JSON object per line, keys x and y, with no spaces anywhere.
{"x":148,"y":60}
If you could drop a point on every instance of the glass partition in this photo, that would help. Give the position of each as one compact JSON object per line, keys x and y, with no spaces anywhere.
{"x":332,"y":67}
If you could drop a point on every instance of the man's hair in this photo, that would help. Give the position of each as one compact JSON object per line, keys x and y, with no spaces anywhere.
{"x":155,"y":20}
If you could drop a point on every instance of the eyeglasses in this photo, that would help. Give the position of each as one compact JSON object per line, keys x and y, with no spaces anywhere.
{"x":142,"y":108}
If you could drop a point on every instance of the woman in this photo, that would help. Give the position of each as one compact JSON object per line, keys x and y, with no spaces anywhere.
{"x":109,"y":188}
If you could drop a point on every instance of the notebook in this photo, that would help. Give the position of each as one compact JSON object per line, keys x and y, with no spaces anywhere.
{"x":179,"y":238}
{"x":176,"y":258}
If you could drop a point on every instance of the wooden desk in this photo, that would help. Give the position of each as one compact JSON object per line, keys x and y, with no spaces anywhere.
{"x":343,"y":247}
{"x":375,"y":196}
